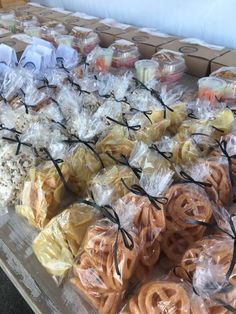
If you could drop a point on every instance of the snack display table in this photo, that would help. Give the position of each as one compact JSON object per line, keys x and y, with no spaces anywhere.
{"x":22,"y":267}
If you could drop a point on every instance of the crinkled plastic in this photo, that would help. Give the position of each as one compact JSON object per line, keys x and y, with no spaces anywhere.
{"x":170,"y":296}
{"x":186,"y":202}
{"x":84,"y":165}
{"x":95,"y":275}
{"x":107,"y":186}
{"x":116,"y":143}
{"x":42,"y":194}
{"x":58,"y":243}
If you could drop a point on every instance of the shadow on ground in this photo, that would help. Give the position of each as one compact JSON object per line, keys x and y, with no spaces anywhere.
{"x":11,"y":301}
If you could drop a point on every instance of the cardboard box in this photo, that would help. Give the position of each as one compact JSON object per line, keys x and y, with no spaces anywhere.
{"x":31,"y":9}
{"x":11,"y":3}
{"x":226,"y":60}
{"x":16,"y":44}
{"x":198,"y":58}
{"x":108,"y":34}
{"x":147,"y":43}
{"x":71,"y":21}
{"x":49,"y":14}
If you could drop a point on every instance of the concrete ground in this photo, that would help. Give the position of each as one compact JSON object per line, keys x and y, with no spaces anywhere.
{"x":11,"y":301}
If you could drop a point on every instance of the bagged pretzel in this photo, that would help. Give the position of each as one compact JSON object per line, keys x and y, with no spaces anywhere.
{"x":58,"y":243}
{"x":186,"y":201}
{"x":149,"y":217}
{"x":107,"y":262}
{"x":165,"y":296}
{"x":215,"y":170}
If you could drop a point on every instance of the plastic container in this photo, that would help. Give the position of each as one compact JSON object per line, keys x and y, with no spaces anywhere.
{"x":65,"y":40}
{"x":211,"y":88}
{"x":125,"y":54}
{"x":102,"y":59}
{"x":172,"y":65}
{"x":33,"y":31}
{"x":146,"y":70}
{"x":84,"y":39}
{"x":50,"y":30}
{"x":8,"y":20}
{"x":228,"y":74}
{"x":26,"y":21}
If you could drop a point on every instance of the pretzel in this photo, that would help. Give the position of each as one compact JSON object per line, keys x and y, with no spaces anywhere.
{"x":158,"y":298}
{"x":221,"y":190}
{"x":175,"y":243}
{"x":185,"y":202}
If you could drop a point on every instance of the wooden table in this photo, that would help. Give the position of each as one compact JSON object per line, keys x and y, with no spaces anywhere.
{"x":21,"y":266}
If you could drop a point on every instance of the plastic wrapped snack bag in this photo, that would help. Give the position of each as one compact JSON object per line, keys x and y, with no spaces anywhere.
{"x":186,"y":201}
{"x":116,"y":143}
{"x":214,"y":272}
{"x":14,"y":166}
{"x":107,"y":186}
{"x":165,"y":296}
{"x":108,"y":259}
{"x":58,"y":243}
{"x":149,"y":218}
{"x":43,"y":191}
{"x":84,"y":164}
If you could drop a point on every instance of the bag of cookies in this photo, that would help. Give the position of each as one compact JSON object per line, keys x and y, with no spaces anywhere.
{"x":149,"y":218}
{"x":58,"y":243}
{"x":165,"y":296}
{"x":108,"y":259}
{"x":186,"y":201}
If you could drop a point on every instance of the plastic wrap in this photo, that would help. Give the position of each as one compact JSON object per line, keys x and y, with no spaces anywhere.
{"x":106,"y":263}
{"x":58,"y":243}
{"x":165,"y":296}
{"x":116,"y":143}
{"x":107,"y":186}
{"x":185,"y":202}
{"x":42,"y":193}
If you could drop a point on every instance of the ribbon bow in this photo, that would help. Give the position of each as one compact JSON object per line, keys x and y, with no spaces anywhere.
{"x":3,"y":98}
{"x":13,"y":130}
{"x":192,"y":115}
{"x":60,"y":62}
{"x":166,"y":155}
{"x":125,"y":123}
{"x":156,"y":95}
{"x":77,"y":86}
{"x":146,"y":113}
{"x":125,"y":162}
{"x":154,"y":200}
{"x":18,"y":141}
{"x":55,"y":163}
{"x":46,"y":84}
{"x":231,"y":235}
{"x":127,"y":238}
{"x":188,"y":179}
{"x":26,"y":106}
{"x":223,"y":146}
{"x":88,"y":144}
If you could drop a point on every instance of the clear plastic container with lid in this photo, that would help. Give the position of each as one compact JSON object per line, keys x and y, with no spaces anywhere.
{"x":8,"y":20}
{"x":65,"y":40}
{"x":125,"y":54}
{"x":146,"y":70}
{"x":211,"y":88}
{"x":84,"y":39}
{"x":228,"y":74}
{"x":172,"y":65}
{"x":25,"y":21}
{"x":33,"y":31}
{"x":50,"y":30}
